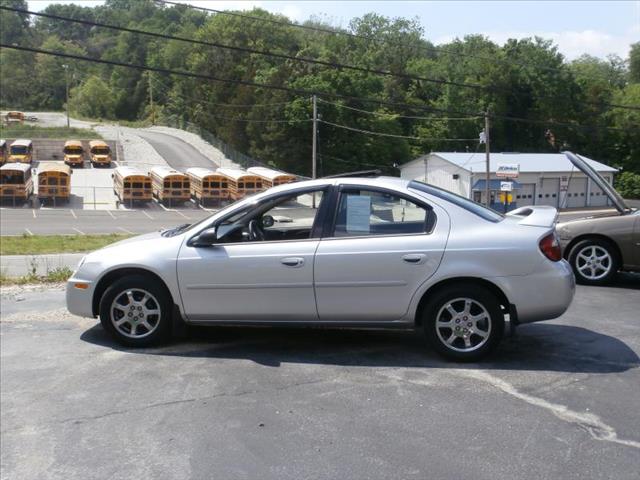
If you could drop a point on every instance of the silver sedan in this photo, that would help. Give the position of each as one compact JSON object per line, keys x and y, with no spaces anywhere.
{"x":346,"y":252}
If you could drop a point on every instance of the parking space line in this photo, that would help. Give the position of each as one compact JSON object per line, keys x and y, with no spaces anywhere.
{"x":163,"y":207}
{"x":180,"y":213}
{"x":28,"y":231}
{"x":73,"y":213}
{"x":126,"y":231}
{"x":149,"y":216}
{"x":33,"y":211}
{"x":111,"y":214}
{"x":79,"y":231}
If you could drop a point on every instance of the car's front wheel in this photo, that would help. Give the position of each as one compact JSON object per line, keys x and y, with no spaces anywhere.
{"x":463,"y":323}
{"x":594,"y":262}
{"x":136,"y":311}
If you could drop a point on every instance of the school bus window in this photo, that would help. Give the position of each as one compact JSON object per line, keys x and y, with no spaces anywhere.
{"x":176,"y":184}
{"x":137,"y":184}
{"x":167,"y":184}
{"x":147,"y":184}
{"x":127,"y":184}
{"x":250,"y":185}
{"x":223,"y":185}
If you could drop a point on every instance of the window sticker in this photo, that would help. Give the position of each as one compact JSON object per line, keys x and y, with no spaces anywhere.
{"x":358,"y":213}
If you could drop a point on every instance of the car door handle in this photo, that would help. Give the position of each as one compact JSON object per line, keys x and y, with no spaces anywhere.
{"x":414,"y":257}
{"x":292,"y":261}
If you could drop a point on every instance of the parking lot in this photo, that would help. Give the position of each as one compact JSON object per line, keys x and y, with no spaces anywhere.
{"x":560,"y":399}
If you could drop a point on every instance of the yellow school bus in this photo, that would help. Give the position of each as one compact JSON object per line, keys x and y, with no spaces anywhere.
{"x":54,"y":181}
{"x":131,"y":185}
{"x":100,"y":153}
{"x":271,"y":178}
{"x":21,"y":151}
{"x":3,"y":151}
{"x":14,"y":117}
{"x":16,"y":182}
{"x":169,"y":185}
{"x":243,"y":183}
{"x":208,"y":186}
{"x":73,"y":153}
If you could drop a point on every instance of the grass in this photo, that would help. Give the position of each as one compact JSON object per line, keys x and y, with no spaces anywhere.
{"x":34,"y":131}
{"x":55,"y":275}
{"x":42,"y":244}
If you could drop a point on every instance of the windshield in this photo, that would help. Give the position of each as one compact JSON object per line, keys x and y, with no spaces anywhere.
{"x":100,"y":151}
{"x":469,"y":205}
{"x":19,"y":150}
{"x":73,"y":151}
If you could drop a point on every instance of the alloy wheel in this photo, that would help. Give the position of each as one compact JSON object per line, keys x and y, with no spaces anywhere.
{"x":594,"y":262}
{"x":463,"y":325}
{"x":135,"y":313}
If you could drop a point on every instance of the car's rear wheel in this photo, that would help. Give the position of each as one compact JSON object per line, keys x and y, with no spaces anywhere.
{"x":594,"y":262}
{"x":463,"y":323}
{"x":136,"y":311}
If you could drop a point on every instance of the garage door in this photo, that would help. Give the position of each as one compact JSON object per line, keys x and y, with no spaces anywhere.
{"x":576,"y":193}
{"x":525,"y":195}
{"x":598,"y":197}
{"x":548,"y":192}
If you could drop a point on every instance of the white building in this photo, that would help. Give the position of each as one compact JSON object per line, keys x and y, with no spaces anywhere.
{"x":545,"y":178}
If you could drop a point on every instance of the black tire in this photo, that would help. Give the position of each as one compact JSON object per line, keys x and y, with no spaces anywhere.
{"x":604,"y":271}
{"x":492,"y":323}
{"x":160,"y":323}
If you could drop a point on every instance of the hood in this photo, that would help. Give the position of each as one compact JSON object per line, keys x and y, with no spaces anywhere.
{"x":139,"y":238}
{"x":596,"y":178}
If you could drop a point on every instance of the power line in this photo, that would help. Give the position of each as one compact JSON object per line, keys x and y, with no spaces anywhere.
{"x":381,"y":134}
{"x":369,"y":38}
{"x":224,"y":105}
{"x":395,"y":115}
{"x":281,"y":56}
{"x":297,"y":91}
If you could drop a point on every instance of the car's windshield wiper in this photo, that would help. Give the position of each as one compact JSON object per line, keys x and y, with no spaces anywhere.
{"x":175,"y":230}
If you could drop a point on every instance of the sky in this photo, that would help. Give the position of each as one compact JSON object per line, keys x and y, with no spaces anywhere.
{"x":598,"y":28}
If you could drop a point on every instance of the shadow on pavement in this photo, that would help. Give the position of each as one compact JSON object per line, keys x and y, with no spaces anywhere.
{"x":539,"y":347}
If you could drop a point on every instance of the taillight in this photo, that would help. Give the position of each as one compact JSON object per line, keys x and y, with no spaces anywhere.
{"x":550,"y":246}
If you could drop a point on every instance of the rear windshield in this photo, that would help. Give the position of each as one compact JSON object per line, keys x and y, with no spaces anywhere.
{"x":462,"y":202}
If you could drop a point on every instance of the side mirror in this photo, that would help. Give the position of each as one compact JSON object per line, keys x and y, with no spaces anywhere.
{"x":267,"y":221}
{"x":206,"y":238}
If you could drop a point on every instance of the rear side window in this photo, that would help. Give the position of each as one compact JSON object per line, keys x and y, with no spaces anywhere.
{"x":473,"y":207}
{"x":369,"y":212}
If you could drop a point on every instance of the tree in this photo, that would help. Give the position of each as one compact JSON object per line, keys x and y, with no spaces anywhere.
{"x":634,"y":63}
{"x":93,"y":99}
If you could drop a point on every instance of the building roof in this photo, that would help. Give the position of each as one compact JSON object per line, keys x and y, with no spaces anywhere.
{"x":529,"y":162}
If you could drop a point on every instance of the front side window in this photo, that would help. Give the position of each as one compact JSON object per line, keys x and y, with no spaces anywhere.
{"x":368,"y":212}
{"x":288,"y":217}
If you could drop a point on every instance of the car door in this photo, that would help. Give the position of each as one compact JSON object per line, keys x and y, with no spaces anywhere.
{"x":380,"y":247}
{"x":264,"y":280}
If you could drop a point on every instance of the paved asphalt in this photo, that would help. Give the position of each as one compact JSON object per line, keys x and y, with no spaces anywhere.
{"x":558,"y":401}
{"x":179,"y":154}
{"x":18,"y":221}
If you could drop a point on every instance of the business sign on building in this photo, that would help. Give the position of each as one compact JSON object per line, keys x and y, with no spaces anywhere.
{"x":508,"y":170}
{"x":506,"y":186}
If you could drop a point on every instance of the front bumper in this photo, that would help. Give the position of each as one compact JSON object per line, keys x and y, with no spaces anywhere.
{"x":80,"y":300}
{"x":542,"y":295}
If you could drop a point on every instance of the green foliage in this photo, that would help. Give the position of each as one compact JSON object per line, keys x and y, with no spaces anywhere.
{"x":525,"y":78}
{"x":628,"y":185}
{"x":93,"y":99}
{"x":34,"y":131}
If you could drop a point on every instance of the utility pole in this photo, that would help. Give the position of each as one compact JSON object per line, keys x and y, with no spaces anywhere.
{"x":314,"y":142}
{"x":487,"y":149}
{"x":153,"y":113}
{"x":66,"y":81}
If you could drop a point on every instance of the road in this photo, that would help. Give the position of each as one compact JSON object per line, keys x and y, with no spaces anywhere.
{"x":177,"y":153}
{"x":560,"y":400}
{"x":63,"y":221}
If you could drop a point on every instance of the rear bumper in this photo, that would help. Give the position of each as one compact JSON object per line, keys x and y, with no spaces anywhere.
{"x":542,"y":295}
